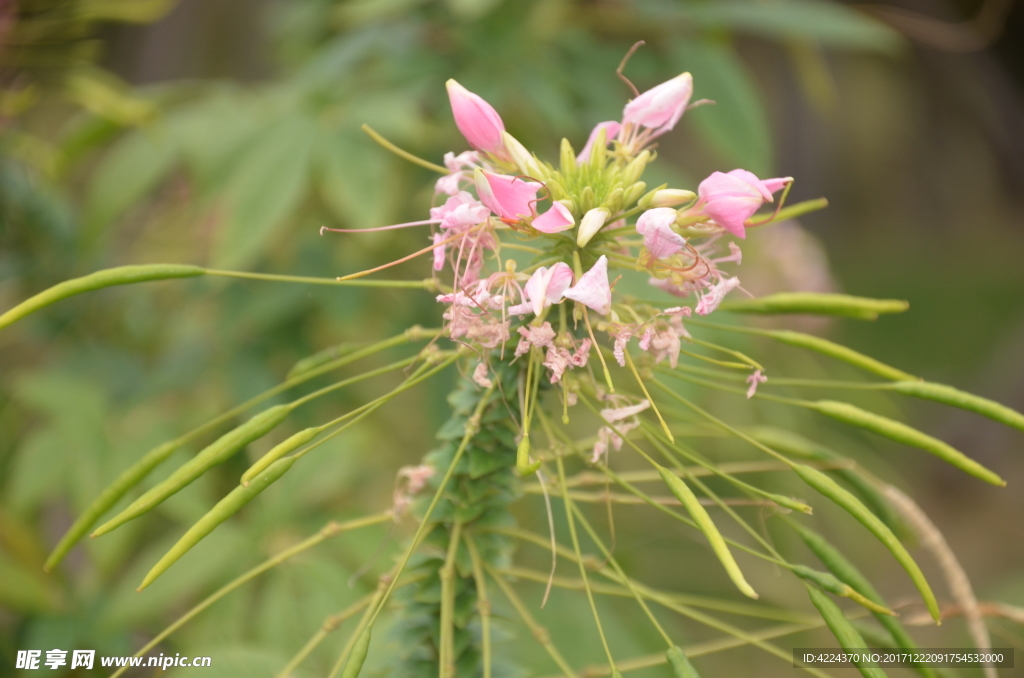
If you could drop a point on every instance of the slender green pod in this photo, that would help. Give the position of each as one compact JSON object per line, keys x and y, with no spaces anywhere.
{"x":359,"y":651}
{"x":947,"y":395}
{"x":680,"y":663}
{"x":839,"y":352}
{"x":278,"y":451}
{"x":831,"y":583}
{"x":215,"y":453}
{"x":796,"y":445}
{"x":224,"y":509}
{"x":831,"y":489}
{"x":122,"y":275}
{"x":846,"y":571}
{"x":813,"y":303}
{"x":110,"y":496}
{"x":843,"y":630}
{"x":700,"y":516}
{"x":325,"y":356}
{"x":901,"y":433}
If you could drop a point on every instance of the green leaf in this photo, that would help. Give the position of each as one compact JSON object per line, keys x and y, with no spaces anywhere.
{"x":830,"y":23}
{"x":737,"y":125}
{"x":270,"y":180}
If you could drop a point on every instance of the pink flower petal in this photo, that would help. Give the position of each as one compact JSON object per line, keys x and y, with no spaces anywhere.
{"x":439,"y":251}
{"x":508,"y":197}
{"x":659,"y":238}
{"x":660,"y":108}
{"x":476,"y":119}
{"x":555,"y":220}
{"x":593,"y":290}
{"x":611,"y":130}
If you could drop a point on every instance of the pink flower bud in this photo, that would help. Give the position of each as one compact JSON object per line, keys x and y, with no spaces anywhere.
{"x":660,"y":107}
{"x":731,"y":198}
{"x":476,"y":119}
{"x":593,"y":290}
{"x":611,"y":130}
{"x":555,"y":220}
{"x":656,"y":228}
{"x":508,"y":197}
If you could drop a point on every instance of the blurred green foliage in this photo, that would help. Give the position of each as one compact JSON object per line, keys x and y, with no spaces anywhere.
{"x":226,"y":174}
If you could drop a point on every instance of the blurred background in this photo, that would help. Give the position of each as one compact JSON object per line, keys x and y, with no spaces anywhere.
{"x":226,"y":132}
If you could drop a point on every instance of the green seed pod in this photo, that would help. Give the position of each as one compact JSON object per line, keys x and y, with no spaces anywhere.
{"x":215,"y":453}
{"x":128,"y":479}
{"x":796,"y":445}
{"x":848,"y":573}
{"x":817,"y":304}
{"x":633,"y":171}
{"x":830,"y":489}
{"x":325,"y":356}
{"x":843,"y":630}
{"x":633,"y":193}
{"x":680,"y":663}
{"x":567,"y":157}
{"x":122,"y":275}
{"x":523,"y":464}
{"x":224,"y":509}
{"x":901,"y":433}
{"x":278,"y":451}
{"x":840,"y":352}
{"x":948,"y":395}
{"x":613,"y":203}
{"x":700,"y":516}
{"x":831,"y":584}
{"x":359,"y":651}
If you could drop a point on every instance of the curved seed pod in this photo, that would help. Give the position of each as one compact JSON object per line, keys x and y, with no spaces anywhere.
{"x":355,"y":661}
{"x":796,"y":445}
{"x":947,"y":395}
{"x":831,"y":584}
{"x":843,"y":630}
{"x":215,"y":453}
{"x":839,"y":352}
{"x":831,"y":489}
{"x":848,"y":572}
{"x":680,"y":663}
{"x":122,"y":275}
{"x":700,"y":516}
{"x":278,"y":451}
{"x":128,"y":479}
{"x":813,"y":303}
{"x":901,"y":433}
{"x":224,"y":509}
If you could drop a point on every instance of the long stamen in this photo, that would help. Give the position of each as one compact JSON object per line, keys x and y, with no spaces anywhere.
{"x":352,"y":276}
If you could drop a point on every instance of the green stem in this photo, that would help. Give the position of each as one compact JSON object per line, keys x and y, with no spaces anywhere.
{"x":401,"y":284}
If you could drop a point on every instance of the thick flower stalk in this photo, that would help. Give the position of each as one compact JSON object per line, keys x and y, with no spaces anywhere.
{"x":560,"y":368}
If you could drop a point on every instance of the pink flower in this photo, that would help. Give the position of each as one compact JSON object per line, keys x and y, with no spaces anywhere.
{"x":593,"y":290}
{"x":621,"y":333}
{"x":541,"y":336}
{"x":480,"y":375}
{"x":460,"y":211}
{"x":606,"y":435}
{"x":439,"y":250}
{"x":611,"y":130}
{"x":476,"y":119}
{"x":457,"y":165}
{"x":754,"y":379}
{"x":555,"y":220}
{"x":663,"y":342}
{"x":656,"y":228}
{"x":559,"y":359}
{"x":660,"y":107}
{"x":415,"y":478}
{"x":545,"y":287}
{"x":729,"y":199}
{"x":714,"y":296}
{"x":508,"y":197}
{"x":582,"y":354}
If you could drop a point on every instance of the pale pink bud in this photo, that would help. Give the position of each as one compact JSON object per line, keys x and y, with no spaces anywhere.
{"x":611,"y":130}
{"x":555,"y":220}
{"x":508,"y":197}
{"x":732,"y":198}
{"x":592,"y":222}
{"x":476,"y":119}
{"x":660,"y":108}
{"x":656,"y":228}
{"x":593,"y":290}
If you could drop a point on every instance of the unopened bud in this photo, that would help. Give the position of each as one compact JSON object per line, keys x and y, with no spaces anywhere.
{"x":635,"y":168}
{"x":633,"y":193}
{"x":671,"y":197}
{"x":523,"y":159}
{"x":567,"y":157}
{"x":613,"y":203}
{"x":592,"y":222}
